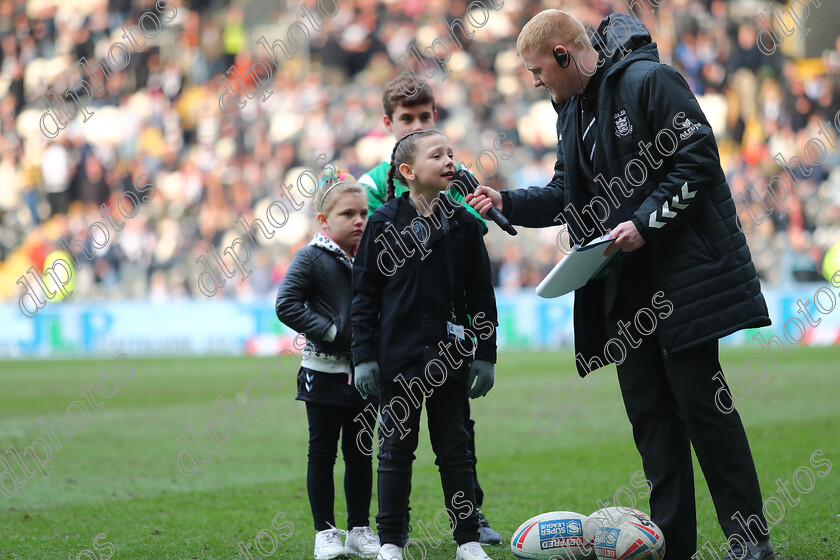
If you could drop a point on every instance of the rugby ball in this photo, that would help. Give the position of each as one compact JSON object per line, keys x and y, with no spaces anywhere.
{"x":556,"y":535}
{"x":630,"y":539}
{"x":608,"y":517}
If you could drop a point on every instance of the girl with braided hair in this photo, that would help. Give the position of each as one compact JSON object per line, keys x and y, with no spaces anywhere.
{"x":408,"y":153}
{"x":420,"y":271}
{"x":314,"y":299}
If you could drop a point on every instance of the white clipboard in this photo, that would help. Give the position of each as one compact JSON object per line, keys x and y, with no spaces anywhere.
{"x":585,"y":263}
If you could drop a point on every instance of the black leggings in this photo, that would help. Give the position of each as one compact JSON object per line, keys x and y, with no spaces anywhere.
{"x":325,"y":424}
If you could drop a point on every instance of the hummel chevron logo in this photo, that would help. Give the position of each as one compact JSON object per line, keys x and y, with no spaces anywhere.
{"x":676,"y":203}
{"x":308,"y":383}
{"x":309,"y":378}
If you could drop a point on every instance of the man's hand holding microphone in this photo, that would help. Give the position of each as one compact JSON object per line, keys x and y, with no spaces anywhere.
{"x":490,"y":210}
{"x":483,"y":198}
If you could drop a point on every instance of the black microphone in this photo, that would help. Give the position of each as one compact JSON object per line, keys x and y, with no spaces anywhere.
{"x":465,"y":178}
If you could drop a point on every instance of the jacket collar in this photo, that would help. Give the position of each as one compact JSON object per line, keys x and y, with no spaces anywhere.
{"x":590,"y":92}
{"x":401,"y":211}
{"x":402,"y":207}
{"x":324,"y":242}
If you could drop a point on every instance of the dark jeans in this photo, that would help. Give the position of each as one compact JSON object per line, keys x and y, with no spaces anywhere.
{"x":670,"y":401}
{"x":446,"y":408}
{"x":325,"y":424}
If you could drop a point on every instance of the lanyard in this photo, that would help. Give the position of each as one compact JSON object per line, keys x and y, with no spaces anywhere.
{"x":447,"y":259}
{"x":450,"y":276}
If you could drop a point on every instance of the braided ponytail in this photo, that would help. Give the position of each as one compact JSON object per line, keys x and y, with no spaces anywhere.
{"x":391,"y":170}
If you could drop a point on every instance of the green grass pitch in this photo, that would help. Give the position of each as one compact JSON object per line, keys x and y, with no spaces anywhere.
{"x":118,"y":473}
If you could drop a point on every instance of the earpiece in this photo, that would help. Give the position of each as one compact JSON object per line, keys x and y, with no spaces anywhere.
{"x":562,"y":58}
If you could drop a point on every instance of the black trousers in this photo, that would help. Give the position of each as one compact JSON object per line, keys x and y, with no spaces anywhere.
{"x":470,"y":427}
{"x":325,"y":424}
{"x":670,"y":401}
{"x":447,"y":410}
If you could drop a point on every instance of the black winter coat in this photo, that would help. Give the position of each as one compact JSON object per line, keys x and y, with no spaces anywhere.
{"x":676,"y":194}
{"x":315,"y":293}
{"x":401,"y":296}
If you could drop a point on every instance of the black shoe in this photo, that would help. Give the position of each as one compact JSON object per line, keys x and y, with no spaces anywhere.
{"x":486,"y":535}
{"x":757,"y":551}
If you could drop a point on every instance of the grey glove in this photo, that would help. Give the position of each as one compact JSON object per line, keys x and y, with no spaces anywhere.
{"x":483,"y":373}
{"x":366,"y":379}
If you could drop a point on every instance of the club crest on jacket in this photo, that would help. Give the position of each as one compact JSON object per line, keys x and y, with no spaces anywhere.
{"x":622,"y":124}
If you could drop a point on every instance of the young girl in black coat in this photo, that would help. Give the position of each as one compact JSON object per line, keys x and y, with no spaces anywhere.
{"x":314,"y":299}
{"x":424,"y":316}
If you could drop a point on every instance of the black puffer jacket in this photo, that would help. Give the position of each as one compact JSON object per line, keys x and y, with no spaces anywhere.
{"x":316,"y":293}
{"x":678,"y":197}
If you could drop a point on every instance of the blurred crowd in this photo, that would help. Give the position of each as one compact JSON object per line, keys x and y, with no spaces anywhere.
{"x":160,"y":118}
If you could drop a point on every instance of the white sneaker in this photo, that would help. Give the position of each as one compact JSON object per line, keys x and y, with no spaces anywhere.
{"x":328,"y":544}
{"x":389,"y":552}
{"x":362,"y":541}
{"x":471,"y":551}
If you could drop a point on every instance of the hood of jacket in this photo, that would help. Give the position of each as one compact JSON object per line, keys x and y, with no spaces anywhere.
{"x":621,"y":39}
